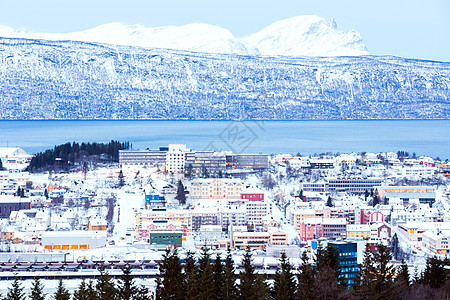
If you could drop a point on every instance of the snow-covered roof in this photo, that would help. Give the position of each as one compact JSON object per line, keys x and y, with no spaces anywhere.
{"x":11,"y":151}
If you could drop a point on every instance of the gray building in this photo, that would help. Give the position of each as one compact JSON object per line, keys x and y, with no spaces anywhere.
{"x":199,"y":161}
{"x":143,"y":157}
{"x":9,"y":203}
{"x":247,"y":161}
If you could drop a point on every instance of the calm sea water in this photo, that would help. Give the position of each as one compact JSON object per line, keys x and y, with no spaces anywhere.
{"x":424,"y":137}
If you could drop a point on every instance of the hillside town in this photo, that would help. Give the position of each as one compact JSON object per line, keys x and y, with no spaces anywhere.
{"x":175,"y":197}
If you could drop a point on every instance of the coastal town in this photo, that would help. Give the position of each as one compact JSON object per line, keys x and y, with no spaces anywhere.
{"x":132,"y":210}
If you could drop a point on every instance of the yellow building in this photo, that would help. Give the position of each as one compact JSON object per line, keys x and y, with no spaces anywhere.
{"x":277,"y":237}
{"x":254,"y":240}
{"x":216,"y":188}
{"x":358,"y":232}
{"x":181,"y":216}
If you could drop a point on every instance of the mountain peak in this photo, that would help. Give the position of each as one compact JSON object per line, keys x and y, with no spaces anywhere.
{"x":306,"y":36}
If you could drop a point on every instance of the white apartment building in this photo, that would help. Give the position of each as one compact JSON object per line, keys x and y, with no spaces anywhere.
{"x":176,"y":158}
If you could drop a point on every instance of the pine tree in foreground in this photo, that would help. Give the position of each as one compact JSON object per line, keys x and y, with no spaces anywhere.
{"x":252,"y":286}
{"x":126,"y":287}
{"x":229,"y":281}
{"x":170,"y":277}
{"x":284,"y":285}
{"x":84,"y":292}
{"x":105,"y":288}
{"x":37,"y":290}
{"x":217,"y":278}
{"x":306,"y":288}
{"x":15,"y":292}
{"x":190,"y":276}
{"x":142,"y":293}
{"x":61,"y":292}
{"x":205,"y":280}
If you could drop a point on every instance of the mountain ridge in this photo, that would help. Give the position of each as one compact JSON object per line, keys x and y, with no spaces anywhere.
{"x":303,"y":35}
{"x":42,"y":79}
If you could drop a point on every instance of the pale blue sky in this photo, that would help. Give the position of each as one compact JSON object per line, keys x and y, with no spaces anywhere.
{"x":407,"y":28}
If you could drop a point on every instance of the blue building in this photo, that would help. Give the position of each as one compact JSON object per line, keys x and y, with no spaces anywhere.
{"x":348,"y":259}
{"x":155,"y":201}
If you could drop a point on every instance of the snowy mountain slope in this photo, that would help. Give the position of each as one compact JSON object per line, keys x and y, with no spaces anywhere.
{"x":42,"y":79}
{"x":306,"y":36}
{"x":191,"y":37}
{"x":299,"y":36}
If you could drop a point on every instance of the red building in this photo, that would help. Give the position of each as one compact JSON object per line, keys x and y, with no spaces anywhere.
{"x":252,"y":194}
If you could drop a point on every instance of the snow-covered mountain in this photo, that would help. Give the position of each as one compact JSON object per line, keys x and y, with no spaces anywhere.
{"x":42,"y":79}
{"x":306,"y":36}
{"x":298,"y":36}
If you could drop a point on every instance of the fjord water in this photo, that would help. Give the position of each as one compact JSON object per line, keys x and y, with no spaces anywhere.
{"x":424,"y":137}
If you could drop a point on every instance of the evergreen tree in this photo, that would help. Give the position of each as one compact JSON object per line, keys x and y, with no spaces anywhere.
{"x":188,"y":171}
{"x":142,"y":293}
{"x":218,"y":278}
{"x":332,"y":283}
{"x":170,"y":277}
{"x":376,"y":276}
{"x":105,"y":288}
{"x":85,"y":169}
{"x":434,"y":274}
{"x":306,"y":280}
{"x":1,"y":165}
{"x":205,"y":280}
{"x":329,"y":202}
{"x":121,"y":179}
{"x":126,"y":287}
{"x":229,"y":282}
{"x":395,"y":246}
{"x":284,"y":281}
{"x":205,"y":172}
{"x":181,"y":194}
{"x":15,"y":292}
{"x":252,"y":285}
{"x":190,"y":276}
{"x":365,"y":276}
{"x":366,"y":195}
{"x":61,"y":292}
{"x":85,"y":291}
{"x":402,"y":279}
{"x":37,"y":290}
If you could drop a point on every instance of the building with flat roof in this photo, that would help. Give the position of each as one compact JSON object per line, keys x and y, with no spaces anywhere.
{"x":143,"y":157}
{"x":247,"y":161}
{"x":209,"y":162}
{"x":425,"y":194}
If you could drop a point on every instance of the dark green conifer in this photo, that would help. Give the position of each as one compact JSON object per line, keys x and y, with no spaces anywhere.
{"x":190,"y":276}
{"x":126,"y":287}
{"x":306,"y":280}
{"x":218,"y":278}
{"x":61,"y":292}
{"x":252,"y":286}
{"x":434,"y":274}
{"x":15,"y":292}
{"x":170,"y":277}
{"x":143,"y":293}
{"x":284,"y":285}
{"x":37,"y":289}
{"x":104,"y":286}
{"x":205,"y":276}
{"x":229,"y":283}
